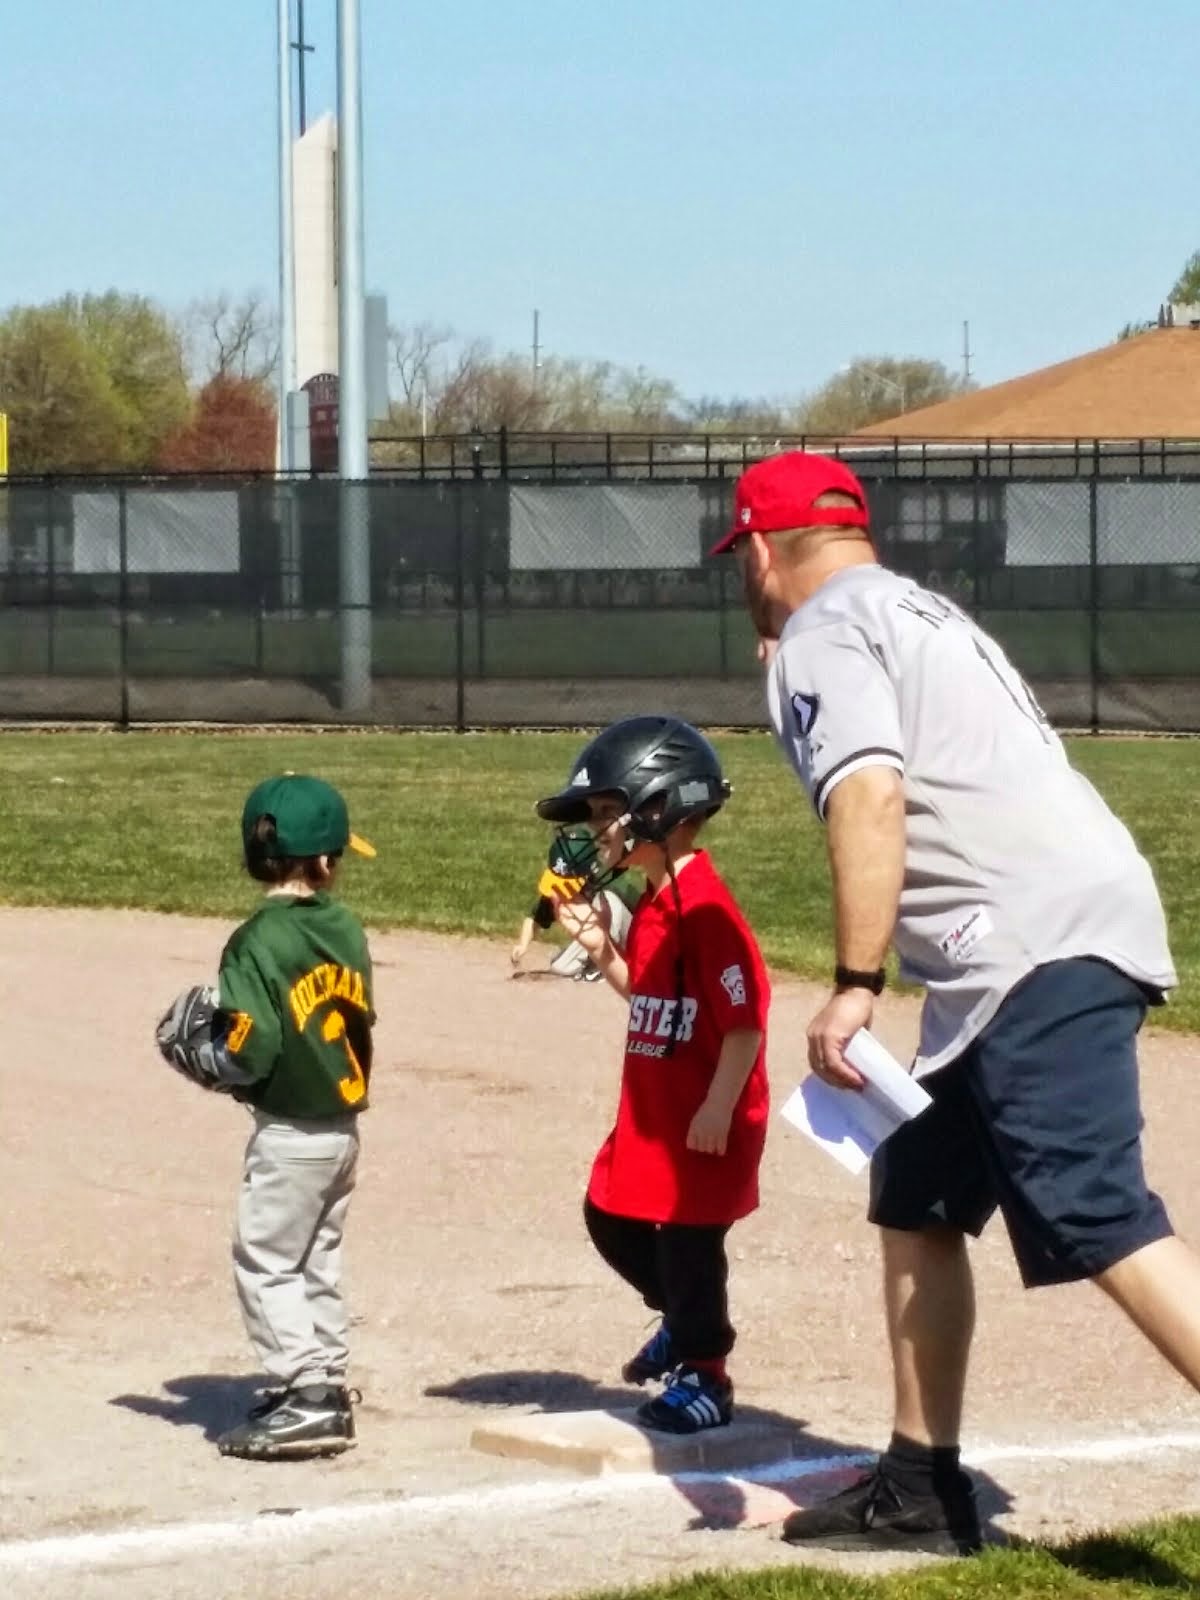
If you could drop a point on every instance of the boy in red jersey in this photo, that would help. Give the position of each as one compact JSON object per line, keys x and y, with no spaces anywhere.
{"x":681,"y":1164}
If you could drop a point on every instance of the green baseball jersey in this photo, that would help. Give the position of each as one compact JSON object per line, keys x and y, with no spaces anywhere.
{"x":296,"y":978}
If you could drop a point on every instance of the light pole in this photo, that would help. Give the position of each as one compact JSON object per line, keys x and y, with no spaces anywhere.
{"x":353,"y":466}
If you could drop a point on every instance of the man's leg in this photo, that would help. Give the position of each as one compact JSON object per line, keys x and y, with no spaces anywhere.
{"x":1158,"y":1288}
{"x":929,"y":1295}
{"x":918,"y":1497}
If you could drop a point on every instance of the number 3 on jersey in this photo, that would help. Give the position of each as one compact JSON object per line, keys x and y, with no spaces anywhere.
{"x":354,"y":1086}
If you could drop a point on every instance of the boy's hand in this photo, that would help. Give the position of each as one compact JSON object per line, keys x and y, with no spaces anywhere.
{"x":584,"y":920}
{"x":709,"y":1131}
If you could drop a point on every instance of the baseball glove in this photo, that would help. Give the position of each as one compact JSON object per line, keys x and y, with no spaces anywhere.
{"x":191,"y":1037}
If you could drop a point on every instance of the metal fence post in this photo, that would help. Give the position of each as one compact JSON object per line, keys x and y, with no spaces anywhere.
{"x":50,"y":591}
{"x":976,"y":576}
{"x":1094,"y":601}
{"x":460,"y":666}
{"x":123,"y":600}
{"x":480,"y":562}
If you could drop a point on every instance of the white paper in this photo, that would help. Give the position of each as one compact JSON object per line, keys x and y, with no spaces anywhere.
{"x":851,"y":1124}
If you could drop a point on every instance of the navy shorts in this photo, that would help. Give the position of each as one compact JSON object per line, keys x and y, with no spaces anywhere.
{"x":1040,"y":1117}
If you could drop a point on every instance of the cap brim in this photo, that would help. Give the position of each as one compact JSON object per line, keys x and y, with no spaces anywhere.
{"x":727,"y":541}
{"x":361,"y":846}
{"x":563,"y":808}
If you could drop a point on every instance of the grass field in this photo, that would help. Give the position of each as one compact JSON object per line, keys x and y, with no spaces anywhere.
{"x":1158,"y":1562}
{"x":151,"y":820}
{"x":536,"y":643}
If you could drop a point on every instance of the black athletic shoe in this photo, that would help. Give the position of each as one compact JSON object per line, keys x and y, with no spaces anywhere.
{"x":691,"y":1402}
{"x":875,"y":1513}
{"x":316,"y":1420}
{"x":654,"y":1360}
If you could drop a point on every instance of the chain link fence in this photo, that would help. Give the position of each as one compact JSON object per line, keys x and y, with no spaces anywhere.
{"x":502,"y":601}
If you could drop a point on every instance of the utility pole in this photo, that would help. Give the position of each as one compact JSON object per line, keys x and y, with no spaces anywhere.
{"x":301,"y":50}
{"x":536,"y":351}
{"x":966,"y":377}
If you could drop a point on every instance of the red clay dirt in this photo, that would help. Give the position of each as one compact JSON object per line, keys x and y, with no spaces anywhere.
{"x":473,"y":1288}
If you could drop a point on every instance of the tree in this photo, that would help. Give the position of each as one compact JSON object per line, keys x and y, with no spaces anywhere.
{"x":143,"y":356}
{"x":1186,"y":288}
{"x":1132,"y":329}
{"x":91,"y":382}
{"x":226,"y":337}
{"x":63,"y":411}
{"x":873,"y":388}
{"x":231,"y":429}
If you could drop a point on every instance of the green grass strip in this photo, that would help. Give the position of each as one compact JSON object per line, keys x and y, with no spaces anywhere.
{"x":150,"y":820}
{"x":1158,"y":1561}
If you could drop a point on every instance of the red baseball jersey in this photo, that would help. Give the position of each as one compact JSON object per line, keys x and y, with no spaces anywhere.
{"x":644,"y":1168}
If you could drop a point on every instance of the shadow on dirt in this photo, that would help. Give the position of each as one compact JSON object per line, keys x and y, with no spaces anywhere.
{"x":719,"y":1500}
{"x":211,"y":1402}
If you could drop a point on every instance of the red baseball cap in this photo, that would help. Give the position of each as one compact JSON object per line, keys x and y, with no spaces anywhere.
{"x":778,"y":493}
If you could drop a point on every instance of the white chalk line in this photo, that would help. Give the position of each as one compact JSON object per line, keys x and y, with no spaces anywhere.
{"x":267,"y":1528}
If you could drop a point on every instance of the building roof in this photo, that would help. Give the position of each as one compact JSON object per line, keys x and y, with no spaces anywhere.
{"x":1147,"y":387}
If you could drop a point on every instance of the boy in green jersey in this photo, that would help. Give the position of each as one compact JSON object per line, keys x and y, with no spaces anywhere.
{"x":290,"y":1035}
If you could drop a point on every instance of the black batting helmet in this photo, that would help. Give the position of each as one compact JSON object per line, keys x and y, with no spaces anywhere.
{"x":661,"y":767}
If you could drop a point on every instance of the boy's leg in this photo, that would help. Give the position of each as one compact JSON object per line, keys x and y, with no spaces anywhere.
{"x":288,"y":1173}
{"x":630,"y":1246}
{"x":323,"y":1273}
{"x":570,"y":960}
{"x":694,"y":1272}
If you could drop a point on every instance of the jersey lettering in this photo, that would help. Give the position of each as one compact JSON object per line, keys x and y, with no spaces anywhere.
{"x":326,"y":982}
{"x":652,"y":1016}
{"x":241,"y":1024}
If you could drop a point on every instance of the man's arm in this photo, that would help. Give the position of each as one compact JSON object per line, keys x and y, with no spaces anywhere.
{"x":866,"y":842}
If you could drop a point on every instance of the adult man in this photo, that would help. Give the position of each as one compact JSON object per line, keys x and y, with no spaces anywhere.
{"x":958,"y":831}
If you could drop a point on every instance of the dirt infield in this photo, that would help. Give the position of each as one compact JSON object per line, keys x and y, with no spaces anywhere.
{"x":472,"y":1287}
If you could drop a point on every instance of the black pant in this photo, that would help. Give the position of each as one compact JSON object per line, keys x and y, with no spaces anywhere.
{"x":679,"y":1269}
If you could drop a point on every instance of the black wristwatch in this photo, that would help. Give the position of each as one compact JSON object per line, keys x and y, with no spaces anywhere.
{"x":848,"y":978}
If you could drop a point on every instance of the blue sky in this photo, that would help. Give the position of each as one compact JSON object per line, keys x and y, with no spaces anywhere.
{"x":740,"y":197}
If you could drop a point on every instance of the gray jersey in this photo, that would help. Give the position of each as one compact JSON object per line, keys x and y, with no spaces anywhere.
{"x":1012,"y":857}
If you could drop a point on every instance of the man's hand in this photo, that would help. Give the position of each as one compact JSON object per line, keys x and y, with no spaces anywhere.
{"x":842,"y":1015}
{"x":709,"y":1131}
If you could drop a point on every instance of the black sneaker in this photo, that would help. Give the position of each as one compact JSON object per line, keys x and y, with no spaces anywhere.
{"x":316,"y":1420}
{"x":690,"y":1403}
{"x":654,"y":1360}
{"x":875,"y":1513}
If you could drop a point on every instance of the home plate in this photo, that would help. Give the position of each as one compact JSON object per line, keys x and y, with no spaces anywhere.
{"x":595,"y":1442}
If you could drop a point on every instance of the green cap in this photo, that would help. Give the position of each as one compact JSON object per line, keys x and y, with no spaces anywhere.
{"x":310,"y":817}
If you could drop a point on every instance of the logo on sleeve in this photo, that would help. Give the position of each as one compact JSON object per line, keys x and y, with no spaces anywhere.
{"x":804,"y":709}
{"x":734,"y":983}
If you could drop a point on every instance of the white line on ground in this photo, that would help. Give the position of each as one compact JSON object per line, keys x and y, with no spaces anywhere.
{"x":94,"y":1549}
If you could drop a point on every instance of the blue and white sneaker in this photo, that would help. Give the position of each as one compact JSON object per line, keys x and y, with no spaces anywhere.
{"x":654,"y":1360}
{"x":691,"y":1402}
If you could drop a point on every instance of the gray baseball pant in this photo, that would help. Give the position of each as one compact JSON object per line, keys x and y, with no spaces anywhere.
{"x":297,"y":1181}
